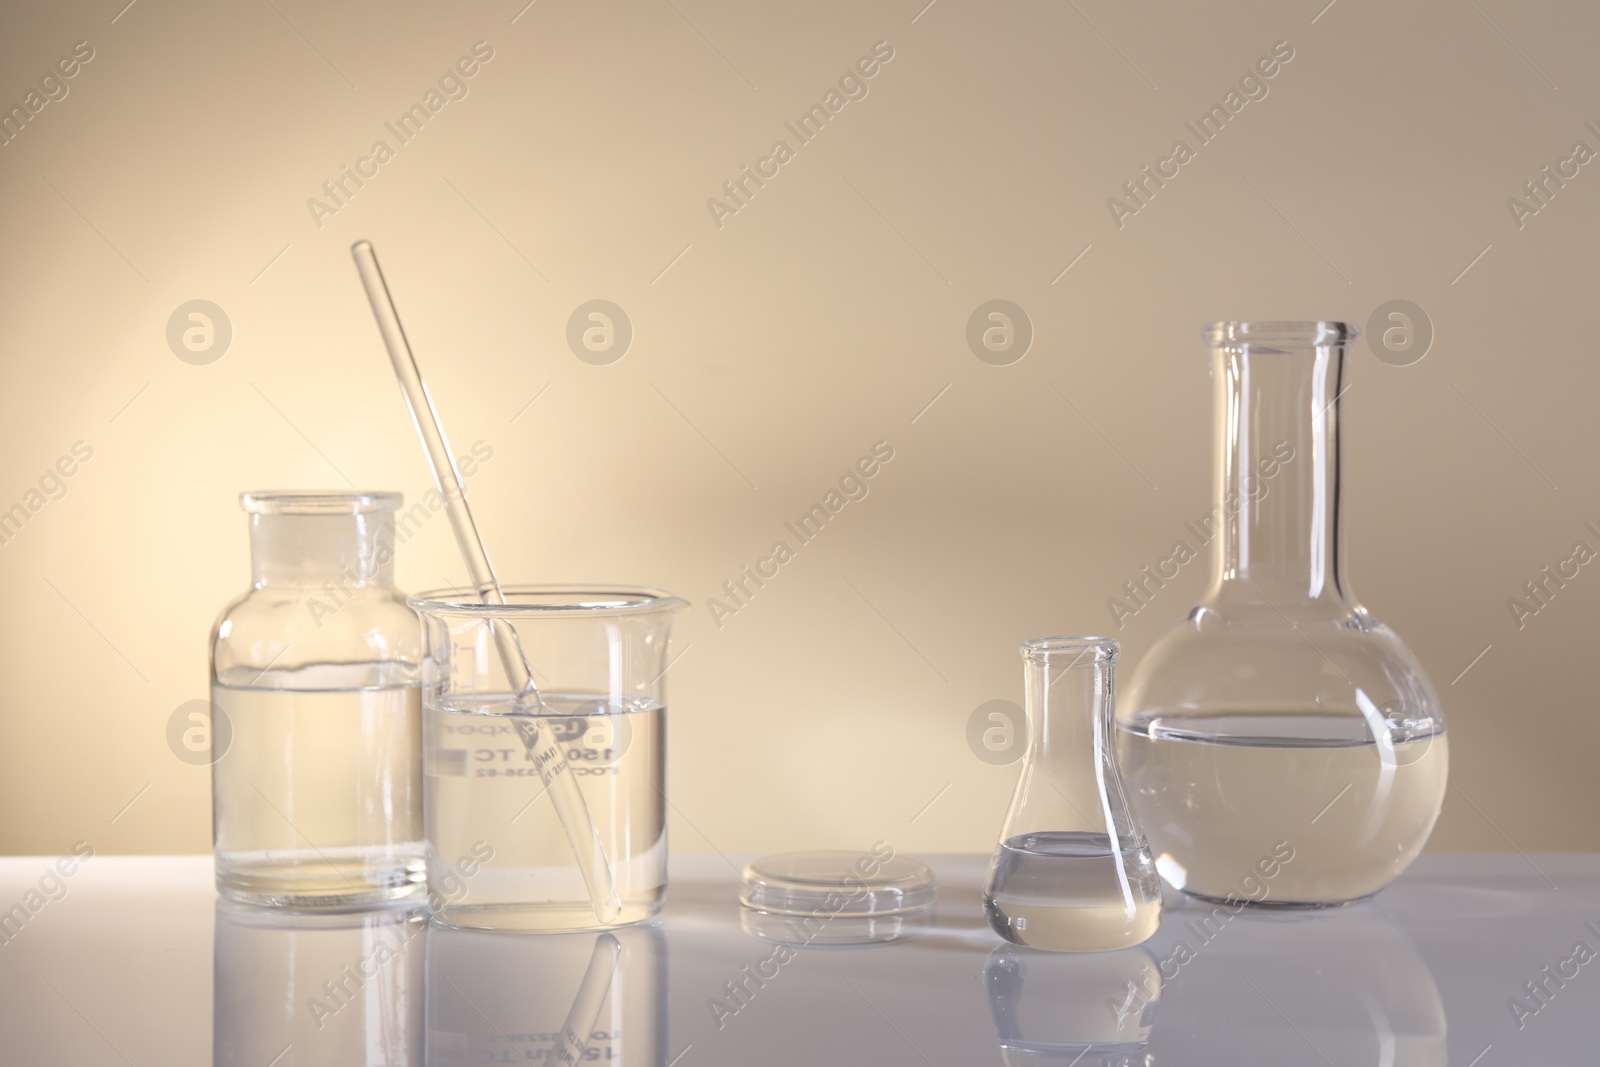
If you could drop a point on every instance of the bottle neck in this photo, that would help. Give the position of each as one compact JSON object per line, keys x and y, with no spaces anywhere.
{"x":1275,"y":524}
{"x":352,"y":551}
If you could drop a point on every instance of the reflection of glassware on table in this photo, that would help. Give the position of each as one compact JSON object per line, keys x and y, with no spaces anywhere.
{"x":1094,"y":1010}
{"x":317,"y":801}
{"x":602,"y":656}
{"x":1279,"y":715}
{"x":560,"y":998}
{"x":578,"y":1030}
{"x":1072,"y":872}
{"x":1254,"y":986}
{"x":341,"y":989}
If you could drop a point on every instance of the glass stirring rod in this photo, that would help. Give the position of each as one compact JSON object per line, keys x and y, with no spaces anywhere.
{"x":537,"y":737}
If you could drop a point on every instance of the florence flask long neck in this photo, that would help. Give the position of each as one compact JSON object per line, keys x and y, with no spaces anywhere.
{"x":1275,"y":527}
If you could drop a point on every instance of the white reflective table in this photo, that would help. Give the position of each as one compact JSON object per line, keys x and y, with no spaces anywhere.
{"x":1485,"y":960}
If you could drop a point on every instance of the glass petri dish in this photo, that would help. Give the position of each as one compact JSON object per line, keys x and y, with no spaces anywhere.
{"x":836,"y":898}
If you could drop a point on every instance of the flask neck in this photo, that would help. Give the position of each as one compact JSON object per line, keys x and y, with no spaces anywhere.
{"x":352,"y":551}
{"x":1275,"y":525}
{"x":1067,"y":694}
{"x":1069,"y":781}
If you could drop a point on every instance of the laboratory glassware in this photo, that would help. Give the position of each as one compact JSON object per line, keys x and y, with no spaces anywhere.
{"x":317,"y":799}
{"x":1072,"y":871}
{"x":837,"y":897}
{"x":601,"y":656}
{"x":1278,"y":717}
{"x":542,"y":750}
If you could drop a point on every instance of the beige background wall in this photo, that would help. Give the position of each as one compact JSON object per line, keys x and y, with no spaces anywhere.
{"x":824,"y":316}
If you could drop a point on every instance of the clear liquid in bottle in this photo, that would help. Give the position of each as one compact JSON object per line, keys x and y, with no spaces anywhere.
{"x":317,"y":801}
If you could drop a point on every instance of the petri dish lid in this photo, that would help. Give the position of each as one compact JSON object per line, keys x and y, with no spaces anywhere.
{"x":837,"y":884}
{"x":836,"y":898}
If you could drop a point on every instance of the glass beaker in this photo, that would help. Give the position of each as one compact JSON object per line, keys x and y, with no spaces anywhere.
{"x":317,"y":800}
{"x":599,"y":658}
{"x":1279,"y":730}
{"x":1072,"y":872}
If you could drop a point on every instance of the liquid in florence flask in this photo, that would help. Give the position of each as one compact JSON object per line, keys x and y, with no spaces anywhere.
{"x":317,"y":800}
{"x":1073,"y":872}
{"x":1278,"y":718}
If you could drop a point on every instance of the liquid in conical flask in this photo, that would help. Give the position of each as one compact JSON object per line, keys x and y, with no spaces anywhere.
{"x":1072,"y":872}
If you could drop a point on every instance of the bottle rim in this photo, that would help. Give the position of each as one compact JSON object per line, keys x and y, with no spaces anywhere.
{"x":317,"y":502}
{"x":565,"y":601}
{"x":1095,"y":649}
{"x":1279,"y":333}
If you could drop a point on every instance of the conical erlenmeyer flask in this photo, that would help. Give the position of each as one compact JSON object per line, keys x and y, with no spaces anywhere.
{"x":1072,"y":872}
{"x":1282,"y":745}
